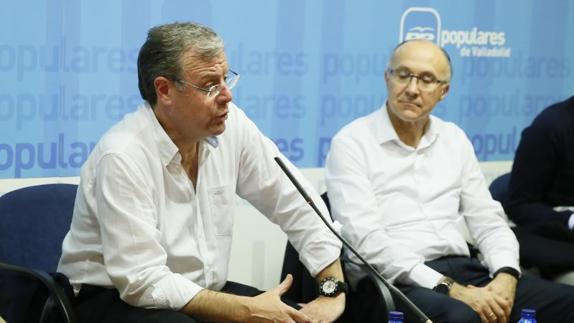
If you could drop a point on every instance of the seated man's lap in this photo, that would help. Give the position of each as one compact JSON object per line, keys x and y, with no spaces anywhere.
{"x":551,"y":300}
{"x":101,"y":305}
{"x":438,"y":307}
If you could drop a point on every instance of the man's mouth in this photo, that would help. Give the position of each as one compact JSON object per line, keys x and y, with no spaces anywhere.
{"x":410,"y":103}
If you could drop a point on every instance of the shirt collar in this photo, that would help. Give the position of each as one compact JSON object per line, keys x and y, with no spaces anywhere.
{"x":168,"y":150}
{"x":431,"y":134}
{"x":383,"y":128}
{"x":387,"y":133}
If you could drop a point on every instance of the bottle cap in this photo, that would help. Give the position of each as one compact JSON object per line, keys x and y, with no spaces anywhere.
{"x":396,"y":315}
{"x":528,"y":313}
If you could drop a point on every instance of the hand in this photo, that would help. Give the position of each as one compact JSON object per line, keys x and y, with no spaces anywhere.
{"x":504,"y":285}
{"x":490,"y":306}
{"x":268,"y":307}
{"x":325,"y":309}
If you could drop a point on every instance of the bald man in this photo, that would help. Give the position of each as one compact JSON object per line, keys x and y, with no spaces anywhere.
{"x":401,"y":180}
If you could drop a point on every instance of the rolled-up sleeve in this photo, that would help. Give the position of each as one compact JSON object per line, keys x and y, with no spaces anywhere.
{"x":134,"y":257}
{"x":264,"y":185}
{"x":485,"y":217}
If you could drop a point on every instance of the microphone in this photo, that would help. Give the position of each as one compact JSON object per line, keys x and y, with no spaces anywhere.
{"x":393,"y":289}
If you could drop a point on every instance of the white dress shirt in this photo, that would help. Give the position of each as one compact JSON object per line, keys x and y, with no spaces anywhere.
{"x":401,"y":206}
{"x":140,"y":226}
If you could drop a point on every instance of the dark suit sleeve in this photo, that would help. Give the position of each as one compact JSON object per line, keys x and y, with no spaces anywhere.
{"x":535,"y":167}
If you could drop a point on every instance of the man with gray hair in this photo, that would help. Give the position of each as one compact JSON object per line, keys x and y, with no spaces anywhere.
{"x":150,"y":238}
{"x":401,"y":180}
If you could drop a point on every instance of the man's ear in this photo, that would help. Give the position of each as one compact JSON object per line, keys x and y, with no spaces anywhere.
{"x":444,"y":91}
{"x":163,"y":89}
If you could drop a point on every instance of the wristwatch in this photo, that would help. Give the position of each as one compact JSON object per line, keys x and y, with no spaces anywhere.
{"x":332,"y":287}
{"x":444,"y":285}
{"x":508,"y":270}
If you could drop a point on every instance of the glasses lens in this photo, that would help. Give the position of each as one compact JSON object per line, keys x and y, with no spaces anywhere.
{"x":402,"y":76}
{"x":425,"y":86}
{"x":231,"y":80}
{"x":213,"y":90}
{"x":424,"y":82}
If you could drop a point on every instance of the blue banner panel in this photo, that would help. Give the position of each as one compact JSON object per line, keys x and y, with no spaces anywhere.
{"x":68,"y":68}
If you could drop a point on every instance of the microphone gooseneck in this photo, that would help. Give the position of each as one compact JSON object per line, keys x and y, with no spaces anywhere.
{"x":393,"y":289}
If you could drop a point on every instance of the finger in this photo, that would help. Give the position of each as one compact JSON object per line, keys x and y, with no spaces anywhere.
{"x":496,"y":312}
{"x":299,"y":316}
{"x":483,"y":318}
{"x":483,"y":309}
{"x":505,"y":304}
{"x":284,"y":286}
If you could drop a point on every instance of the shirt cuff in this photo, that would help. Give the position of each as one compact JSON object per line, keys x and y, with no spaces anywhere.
{"x":424,"y":276}
{"x":320,"y":253}
{"x":571,"y":222}
{"x":171,"y":292}
{"x":503,"y":259}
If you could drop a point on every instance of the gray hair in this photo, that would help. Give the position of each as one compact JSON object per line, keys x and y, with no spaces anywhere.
{"x":445,"y":53}
{"x":163,"y":49}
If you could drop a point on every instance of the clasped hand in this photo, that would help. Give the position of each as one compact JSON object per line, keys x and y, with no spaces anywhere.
{"x":493,"y":302}
{"x":268,"y":307}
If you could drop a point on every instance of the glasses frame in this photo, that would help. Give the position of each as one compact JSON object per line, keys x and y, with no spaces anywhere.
{"x":435,"y":84}
{"x":230,"y":81}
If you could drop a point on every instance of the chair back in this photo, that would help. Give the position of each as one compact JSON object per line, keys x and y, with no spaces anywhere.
{"x":35,"y":220}
{"x":499,"y":187}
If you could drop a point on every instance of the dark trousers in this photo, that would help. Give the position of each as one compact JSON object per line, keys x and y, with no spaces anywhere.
{"x":101,"y":305}
{"x":553,"y":302}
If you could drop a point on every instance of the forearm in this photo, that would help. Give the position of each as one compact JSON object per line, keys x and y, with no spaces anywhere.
{"x":333,"y":270}
{"x":530,"y":212}
{"x":215,"y":306}
{"x":325,"y":308}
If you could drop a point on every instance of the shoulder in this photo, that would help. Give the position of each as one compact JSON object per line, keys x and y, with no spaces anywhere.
{"x":134,"y":128}
{"x":561,"y":113}
{"x":448,"y":130}
{"x":357,"y":129}
{"x":132,"y":140}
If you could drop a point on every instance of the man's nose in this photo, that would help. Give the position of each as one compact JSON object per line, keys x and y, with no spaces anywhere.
{"x":413,"y":85}
{"x":225,"y":95}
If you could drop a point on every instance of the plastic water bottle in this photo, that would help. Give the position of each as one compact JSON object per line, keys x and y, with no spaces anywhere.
{"x":397,"y":317}
{"x":528,"y":315}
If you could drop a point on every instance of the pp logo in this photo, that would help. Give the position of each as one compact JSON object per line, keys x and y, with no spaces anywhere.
{"x":420,"y":23}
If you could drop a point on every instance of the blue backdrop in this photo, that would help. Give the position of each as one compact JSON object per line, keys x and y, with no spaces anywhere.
{"x":68,"y":72}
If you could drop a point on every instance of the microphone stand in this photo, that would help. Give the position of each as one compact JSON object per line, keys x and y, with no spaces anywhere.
{"x":393,"y":289}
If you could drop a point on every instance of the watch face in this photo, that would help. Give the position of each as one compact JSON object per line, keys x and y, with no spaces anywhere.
{"x":329,"y":287}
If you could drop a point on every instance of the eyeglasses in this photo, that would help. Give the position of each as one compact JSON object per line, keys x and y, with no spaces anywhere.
{"x":230,"y":80}
{"x":425,"y":81}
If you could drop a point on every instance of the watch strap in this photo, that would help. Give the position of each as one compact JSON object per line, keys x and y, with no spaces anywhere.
{"x":444,"y":285}
{"x":508,"y":270}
